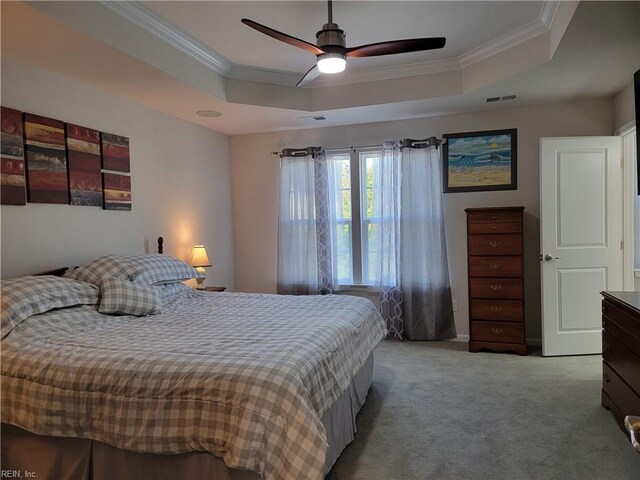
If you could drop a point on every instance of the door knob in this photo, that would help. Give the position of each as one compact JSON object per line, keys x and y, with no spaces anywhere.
{"x":549,"y":258}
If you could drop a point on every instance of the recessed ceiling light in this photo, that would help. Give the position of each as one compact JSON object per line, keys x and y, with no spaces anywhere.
{"x":208,"y":113}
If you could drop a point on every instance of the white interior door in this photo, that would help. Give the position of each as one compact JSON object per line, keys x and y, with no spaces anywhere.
{"x":581,"y":239}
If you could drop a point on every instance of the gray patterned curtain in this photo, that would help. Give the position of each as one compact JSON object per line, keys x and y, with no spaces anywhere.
{"x":305,"y":264}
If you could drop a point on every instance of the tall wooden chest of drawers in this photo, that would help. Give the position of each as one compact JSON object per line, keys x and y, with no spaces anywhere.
{"x":496,"y":279}
{"x":621,"y":354}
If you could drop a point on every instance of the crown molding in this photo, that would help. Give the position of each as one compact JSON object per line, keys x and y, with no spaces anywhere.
{"x":168,"y":33}
{"x":390,"y":72}
{"x":264,"y":75}
{"x":548,"y":12}
{"x":504,"y":42}
{"x":185,"y":43}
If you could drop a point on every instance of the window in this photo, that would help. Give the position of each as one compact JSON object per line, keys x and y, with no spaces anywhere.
{"x":353,"y":179}
{"x":340,"y":188}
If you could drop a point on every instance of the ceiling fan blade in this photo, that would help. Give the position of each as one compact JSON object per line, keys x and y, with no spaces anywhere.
{"x":396,"y":46}
{"x":310,"y":76}
{"x":283,"y":37}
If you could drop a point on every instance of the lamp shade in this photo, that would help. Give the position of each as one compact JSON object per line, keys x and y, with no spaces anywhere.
{"x":199,"y":257}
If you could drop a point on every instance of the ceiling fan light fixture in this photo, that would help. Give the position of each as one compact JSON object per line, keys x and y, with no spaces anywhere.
{"x":332,"y":62}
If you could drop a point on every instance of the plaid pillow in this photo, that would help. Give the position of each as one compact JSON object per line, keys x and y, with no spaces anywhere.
{"x":159,"y":269}
{"x":23,"y":297}
{"x":95,"y":272}
{"x":127,"y":298}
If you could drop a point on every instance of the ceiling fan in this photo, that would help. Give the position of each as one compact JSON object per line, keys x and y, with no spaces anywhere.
{"x":332,"y":53}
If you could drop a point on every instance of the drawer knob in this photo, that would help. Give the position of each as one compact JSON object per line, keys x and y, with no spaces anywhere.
{"x":497,"y":331}
{"x":494,"y":227}
{"x":495,"y":243}
{"x":495,"y":288}
{"x":495,"y":266}
{"x":496,"y":308}
{"x":493,"y":217}
{"x":607,"y":377}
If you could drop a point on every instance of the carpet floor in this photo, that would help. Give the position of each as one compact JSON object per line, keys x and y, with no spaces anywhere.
{"x":436,"y":411}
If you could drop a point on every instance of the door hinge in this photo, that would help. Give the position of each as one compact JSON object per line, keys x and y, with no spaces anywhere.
{"x":621,"y":244}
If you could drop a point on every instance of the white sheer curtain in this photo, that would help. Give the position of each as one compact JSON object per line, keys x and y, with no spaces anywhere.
{"x":426,"y":292}
{"x":305,"y":261}
{"x":386,"y":204}
{"x":413,"y":275}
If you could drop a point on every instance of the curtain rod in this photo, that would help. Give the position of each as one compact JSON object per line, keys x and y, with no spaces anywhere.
{"x":406,"y":143}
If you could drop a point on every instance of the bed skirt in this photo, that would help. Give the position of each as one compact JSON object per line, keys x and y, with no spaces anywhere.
{"x":46,"y":457}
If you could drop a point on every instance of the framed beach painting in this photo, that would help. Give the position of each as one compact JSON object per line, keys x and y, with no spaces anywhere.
{"x":480,"y":161}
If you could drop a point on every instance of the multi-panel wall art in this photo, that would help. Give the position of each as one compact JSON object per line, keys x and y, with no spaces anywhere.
{"x":83,"y":150}
{"x":117,"y":191}
{"x":48,"y":161}
{"x":12,"y":185}
{"x":46,"y":157}
{"x":115,"y":152}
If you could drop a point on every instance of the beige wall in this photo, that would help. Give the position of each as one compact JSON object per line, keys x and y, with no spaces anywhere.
{"x":254,"y":175}
{"x":180,"y":184}
{"x":625,"y":107}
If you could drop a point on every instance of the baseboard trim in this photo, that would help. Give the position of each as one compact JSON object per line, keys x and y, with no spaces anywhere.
{"x":532,"y":342}
{"x":459,"y":338}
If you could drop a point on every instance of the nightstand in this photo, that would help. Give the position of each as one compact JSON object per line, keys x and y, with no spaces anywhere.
{"x":214,"y":289}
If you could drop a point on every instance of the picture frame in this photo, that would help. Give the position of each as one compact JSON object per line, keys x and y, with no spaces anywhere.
{"x":480,"y":161}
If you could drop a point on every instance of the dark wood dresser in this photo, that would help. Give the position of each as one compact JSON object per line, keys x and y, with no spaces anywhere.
{"x":621,"y":354}
{"x":496,"y":279}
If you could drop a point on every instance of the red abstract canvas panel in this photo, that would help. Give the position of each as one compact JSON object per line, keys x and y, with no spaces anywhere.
{"x":12,"y":173}
{"x":117,"y":191}
{"x":46,"y":160}
{"x":83,"y":155}
{"x":115,"y":152}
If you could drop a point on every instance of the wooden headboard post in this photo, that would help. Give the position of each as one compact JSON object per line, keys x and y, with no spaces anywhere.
{"x":57,"y":272}
{"x":160,"y":246}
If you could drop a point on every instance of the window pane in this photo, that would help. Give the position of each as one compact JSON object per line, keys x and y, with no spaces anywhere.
{"x":372,"y":250}
{"x":344,"y":256}
{"x":340,"y":197}
{"x":369,"y":179}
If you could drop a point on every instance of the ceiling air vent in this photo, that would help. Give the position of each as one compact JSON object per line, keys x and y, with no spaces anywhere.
{"x":499,"y":99}
{"x":315,"y":117}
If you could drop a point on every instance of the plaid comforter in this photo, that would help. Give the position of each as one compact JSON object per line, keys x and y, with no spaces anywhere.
{"x":246,"y":377}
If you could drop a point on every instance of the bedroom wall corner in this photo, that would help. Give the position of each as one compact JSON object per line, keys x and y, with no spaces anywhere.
{"x":180,"y":184}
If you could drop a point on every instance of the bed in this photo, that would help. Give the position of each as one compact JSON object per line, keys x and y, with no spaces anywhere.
{"x":216,"y":385}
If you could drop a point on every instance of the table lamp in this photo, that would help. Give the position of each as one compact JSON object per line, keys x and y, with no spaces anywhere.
{"x":199,"y":260}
